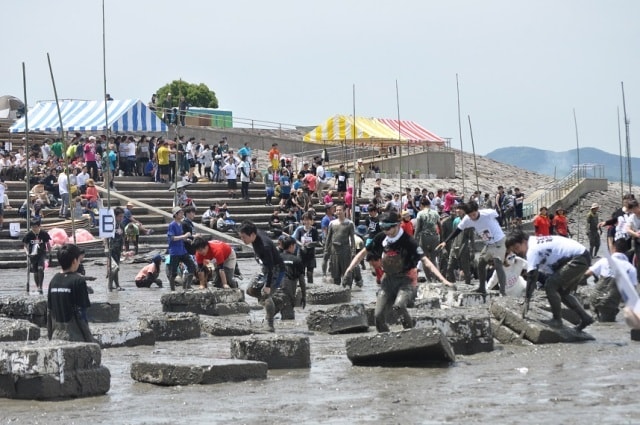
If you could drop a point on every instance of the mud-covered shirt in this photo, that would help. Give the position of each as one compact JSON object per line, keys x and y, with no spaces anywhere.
{"x":398,"y":255}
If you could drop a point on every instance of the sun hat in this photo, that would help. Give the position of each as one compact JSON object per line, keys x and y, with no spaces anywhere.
{"x":361,"y":230}
{"x":175,"y":210}
{"x":594,"y":206}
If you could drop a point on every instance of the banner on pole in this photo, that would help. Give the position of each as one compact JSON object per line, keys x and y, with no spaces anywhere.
{"x":107,"y":223}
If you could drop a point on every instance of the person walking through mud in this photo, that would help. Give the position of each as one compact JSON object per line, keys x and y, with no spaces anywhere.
{"x":284,"y":297}
{"x":485,"y":222}
{"x":400,"y":255}
{"x":340,"y":247}
{"x":177,"y":251}
{"x":68,"y":299}
{"x":268,"y":256}
{"x":564,"y":261}
{"x":37,"y":243}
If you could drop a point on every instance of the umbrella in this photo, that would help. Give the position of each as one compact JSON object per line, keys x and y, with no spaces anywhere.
{"x":181,"y":184}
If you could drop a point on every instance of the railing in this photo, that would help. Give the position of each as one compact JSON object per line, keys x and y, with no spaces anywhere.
{"x":559,"y":189}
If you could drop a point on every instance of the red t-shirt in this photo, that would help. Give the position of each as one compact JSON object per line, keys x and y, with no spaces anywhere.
{"x":218,"y":251}
{"x":542,"y":225}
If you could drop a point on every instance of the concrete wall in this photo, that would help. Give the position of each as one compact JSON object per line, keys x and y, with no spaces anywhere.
{"x":581,"y":189}
{"x":440,"y":164}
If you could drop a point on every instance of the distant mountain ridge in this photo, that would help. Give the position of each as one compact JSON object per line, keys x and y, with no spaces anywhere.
{"x":559,"y":163}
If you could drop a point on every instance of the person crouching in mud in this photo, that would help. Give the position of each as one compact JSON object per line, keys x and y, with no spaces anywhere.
{"x":564,"y":261}
{"x":268,"y":256}
{"x":400,"y":255}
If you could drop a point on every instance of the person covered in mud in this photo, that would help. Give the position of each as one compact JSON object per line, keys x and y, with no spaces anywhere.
{"x":340,"y":247}
{"x":605,"y":299}
{"x":564,"y":261}
{"x":68,"y":299}
{"x":150,"y":274}
{"x":284,"y":297}
{"x":400,"y":254}
{"x":269,"y":258}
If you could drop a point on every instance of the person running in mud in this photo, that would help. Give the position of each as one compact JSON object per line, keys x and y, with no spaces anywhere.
{"x":605,"y":298}
{"x":460,"y":254}
{"x":340,"y":247}
{"x":488,"y":229}
{"x":399,"y":255}
{"x":68,"y":299}
{"x":564,"y":261}
{"x":268,"y":256}
{"x":427,"y":232}
{"x":593,"y":230}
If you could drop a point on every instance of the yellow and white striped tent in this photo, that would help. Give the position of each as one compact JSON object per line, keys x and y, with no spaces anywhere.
{"x":340,"y":128}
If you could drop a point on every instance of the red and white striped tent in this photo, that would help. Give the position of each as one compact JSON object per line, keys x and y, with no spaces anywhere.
{"x":412,"y":131}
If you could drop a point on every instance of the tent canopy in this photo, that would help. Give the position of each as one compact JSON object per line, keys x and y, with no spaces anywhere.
{"x":341,"y":127}
{"x":88,"y":115}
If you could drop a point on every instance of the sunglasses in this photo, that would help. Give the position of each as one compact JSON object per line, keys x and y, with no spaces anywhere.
{"x":387,"y":226}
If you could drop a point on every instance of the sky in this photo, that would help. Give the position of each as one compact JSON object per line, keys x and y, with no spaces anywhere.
{"x":523,"y":66}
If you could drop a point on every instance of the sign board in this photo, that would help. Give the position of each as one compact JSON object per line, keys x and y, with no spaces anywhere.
{"x":107,"y":223}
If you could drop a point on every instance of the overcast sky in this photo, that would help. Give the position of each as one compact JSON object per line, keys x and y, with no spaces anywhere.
{"x":523,"y":66}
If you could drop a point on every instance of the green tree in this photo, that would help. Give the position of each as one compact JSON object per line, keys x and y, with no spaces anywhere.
{"x":196,"y":94}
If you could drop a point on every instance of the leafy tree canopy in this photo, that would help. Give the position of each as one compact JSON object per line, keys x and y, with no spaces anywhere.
{"x":196,"y":94}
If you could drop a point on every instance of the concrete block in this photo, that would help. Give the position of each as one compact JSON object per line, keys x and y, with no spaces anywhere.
{"x":509,"y":311}
{"x":26,"y":307}
{"x":103,"y":312}
{"x":345,"y":318}
{"x":278,"y":351}
{"x":319,"y":294}
{"x":210,"y":371}
{"x":231,"y":295}
{"x":198,"y":302}
{"x":408,"y":347}
{"x":504,"y":335}
{"x":226,"y":309}
{"x":445,"y":294}
{"x":18,"y":330}
{"x":52,"y":370}
{"x":129,"y":337}
{"x":226,"y":327}
{"x":392,"y":317}
{"x":427,"y":303}
{"x":468,"y":329}
{"x":172,"y":326}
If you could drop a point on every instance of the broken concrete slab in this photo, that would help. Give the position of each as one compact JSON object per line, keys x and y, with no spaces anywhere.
{"x":128,"y":337}
{"x":278,"y":351}
{"x":227,"y":309}
{"x":462,"y":296}
{"x":50,"y":370}
{"x":26,"y":307}
{"x":321,"y":294}
{"x":468,"y":329}
{"x":509,"y":311}
{"x":504,"y":335}
{"x":226,"y":326}
{"x":231,"y":295}
{"x":344,"y":318}
{"x":103,"y":312}
{"x":18,"y":330}
{"x":209,"y":371}
{"x":408,"y":347}
{"x":427,"y":303}
{"x":172,"y":326}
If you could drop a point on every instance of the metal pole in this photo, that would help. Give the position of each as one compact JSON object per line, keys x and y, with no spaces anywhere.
{"x":460,"y":132}
{"x":473,"y":147}
{"x":66,"y":161}
{"x":620,"y":149}
{"x":355,"y":163}
{"x":26,"y":136}
{"x":107,"y":174}
{"x":575,"y":122}
{"x":399,"y":141}
{"x":626,"y":129}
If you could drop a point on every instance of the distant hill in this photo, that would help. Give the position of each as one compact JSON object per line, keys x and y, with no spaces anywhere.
{"x":560,"y":163}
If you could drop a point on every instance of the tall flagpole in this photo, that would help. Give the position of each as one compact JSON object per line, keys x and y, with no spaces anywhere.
{"x":26,"y":136}
{"x":473,"y":149}
{"x":628,"y":140}
{"x":575,"y":122}
{"x":66,"y":161}
{"x":107,"y":173}
{"x":620,"y":148}
{"x":460,"y":132}
{"x":355,"y":163}
{"x":399,"y":141}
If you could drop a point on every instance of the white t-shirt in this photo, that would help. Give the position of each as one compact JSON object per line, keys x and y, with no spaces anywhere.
{"x":2,"y":188}
{"x":601,"y":267}
{"x":486,"y":226}
{"x":82,"y":178}
{"x":230,"y":171}
{"x":545,"y":251}
{"x":515,"y":284}
{"x":247,"y":169}
{"x":322,"y":177}
{"x":633,"y":221}
{"x":63,"y":183}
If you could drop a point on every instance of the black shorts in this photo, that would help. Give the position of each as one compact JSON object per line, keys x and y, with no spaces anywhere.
{"x":192,"y":163}
{"x":165,"y":169}
{"x":231,"y":184}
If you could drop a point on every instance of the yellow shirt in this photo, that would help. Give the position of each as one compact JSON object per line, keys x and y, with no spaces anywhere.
{"x":163,"y":155}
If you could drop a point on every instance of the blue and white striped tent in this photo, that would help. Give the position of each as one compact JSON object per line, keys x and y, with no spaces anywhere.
{"x":88,"y":115}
